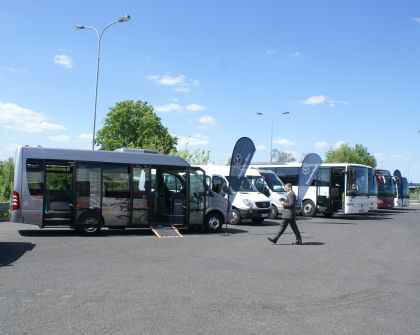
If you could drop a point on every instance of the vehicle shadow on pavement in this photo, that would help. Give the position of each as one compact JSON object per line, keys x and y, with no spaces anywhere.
{"x":10,"y":252}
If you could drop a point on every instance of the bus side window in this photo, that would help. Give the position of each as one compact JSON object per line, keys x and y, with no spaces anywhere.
{"x":35,"y":176}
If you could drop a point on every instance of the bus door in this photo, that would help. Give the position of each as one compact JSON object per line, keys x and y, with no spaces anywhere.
{"x":170,"y":195}
{"x":142,"y":195}
{"x":323,"y":196}
{"x":337,"y":188}
{"x":116,"y":199}
{"x":58,"y":197}
{"x":197,"y":190}
{"x":88,"y":192}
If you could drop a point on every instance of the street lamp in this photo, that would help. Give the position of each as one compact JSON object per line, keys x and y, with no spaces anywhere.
{"x":125,"y":18}
{"x":272,"y":117}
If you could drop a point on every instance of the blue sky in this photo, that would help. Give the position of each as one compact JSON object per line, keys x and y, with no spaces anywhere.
{"x":347,"y":71}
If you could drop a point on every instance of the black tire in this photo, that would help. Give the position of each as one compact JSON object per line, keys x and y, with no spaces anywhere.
{"x":308,"y":208}
{"x":257,"y":220}
{"x":214,"y":222}
{"x":236,"y":217}
{"x":273,"y":212}
{"x":89,"y":225}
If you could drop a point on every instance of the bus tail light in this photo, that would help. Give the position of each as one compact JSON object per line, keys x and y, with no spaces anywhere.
{"x":15,"y":201}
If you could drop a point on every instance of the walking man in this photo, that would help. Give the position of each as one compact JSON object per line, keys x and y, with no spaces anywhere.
{"x":289,"y":216}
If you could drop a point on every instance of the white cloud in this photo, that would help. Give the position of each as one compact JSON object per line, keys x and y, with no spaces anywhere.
{"x":284,"y":143}
{"x":321,"y":145}
{"x":14,"y":70}
{"x":63,"y":60}
{"x":339,"y":143}
{"x":315,"y":100}
{"x":194,"y":108}
{"x":333,"y":103}
{"x":171,"y":107}
{"x":267,"y":53}
{"x":296,"y":55}
{"x":84,"y":137}
{"x":8,"y":151}
{"x":416,"y":19}
{"x":17,"y":118}
{"x":206,"y":121}
{"x":59,"y":138}
{"x":260,"y":147}
{"x":167,"y":80}
{"x":182,"y":89}
{"x":192,"y":140}
{"x":390,"y":157}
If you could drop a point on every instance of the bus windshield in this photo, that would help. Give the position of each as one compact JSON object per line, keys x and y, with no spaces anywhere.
{"x":385,"y":186}
{"x":357,"y":181}
{"x":273,"y":182}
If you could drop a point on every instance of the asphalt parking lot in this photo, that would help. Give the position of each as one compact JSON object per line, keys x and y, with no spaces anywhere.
{"x":353,"y":275}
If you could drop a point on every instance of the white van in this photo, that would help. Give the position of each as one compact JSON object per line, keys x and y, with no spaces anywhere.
{"x":248,"y":202}
{"x":267,"y":182}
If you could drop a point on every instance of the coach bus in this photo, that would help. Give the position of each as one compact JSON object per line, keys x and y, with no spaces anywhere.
{"x":386,"y":189}
{"x":372,"y":190}
{"x":128,"y":188}
{"x":401,"y":192}
{"x":338,"y":188}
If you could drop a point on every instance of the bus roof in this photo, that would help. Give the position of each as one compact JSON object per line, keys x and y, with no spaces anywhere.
{"x":299,"y":164}
{"x":128,"y":157}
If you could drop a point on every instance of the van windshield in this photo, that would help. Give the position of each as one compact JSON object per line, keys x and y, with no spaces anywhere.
{"x":245,"y":186}
{"x":273,"y":182}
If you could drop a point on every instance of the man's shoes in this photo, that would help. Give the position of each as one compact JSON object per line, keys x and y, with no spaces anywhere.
{"x":272,"y":240}
{"x":298,"y":242}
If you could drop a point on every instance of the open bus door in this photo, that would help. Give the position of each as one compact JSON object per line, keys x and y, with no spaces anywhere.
{"x":330,"y":188}
{"x":197,"y":191}
{"x":323,"y":198}
{"x":58,"y":196}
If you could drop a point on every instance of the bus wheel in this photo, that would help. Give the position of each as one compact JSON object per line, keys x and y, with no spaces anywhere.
{"x":213,"y":223}
{"x":89,"y":225}
{"x":236,"y":217}
{"x":273,"y":212}
{"x":308,"y":208}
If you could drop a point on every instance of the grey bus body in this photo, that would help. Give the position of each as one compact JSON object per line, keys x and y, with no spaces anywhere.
{"x":86,"y":190}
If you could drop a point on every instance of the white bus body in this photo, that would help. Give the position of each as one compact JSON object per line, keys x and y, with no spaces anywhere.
{"x":85,"y":190}
{"x":247,"y":203}
{"x":401,"y":192}
{"x":337,"y":188}
{"x":372,"y":190}
{"x":267,"y":182}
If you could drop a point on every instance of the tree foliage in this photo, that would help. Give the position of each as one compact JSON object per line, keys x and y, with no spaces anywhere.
{"x":134,"y":124}
{"x":198,"y":157}
{"x":345,"y":154}
{"x":6,"y":179}
{"x":282,"y":157}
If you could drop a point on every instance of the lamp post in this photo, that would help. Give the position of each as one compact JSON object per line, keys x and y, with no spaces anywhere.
{"x":272,"y":117}
{"x":125,"y":18}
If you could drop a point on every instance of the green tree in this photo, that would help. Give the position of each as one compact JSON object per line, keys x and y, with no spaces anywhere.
{"x":345,"y":154}
{"x":282,"y":157}
{"x":6,"y":179}
{"x":134,"y":124}
{"x":198,"y":157}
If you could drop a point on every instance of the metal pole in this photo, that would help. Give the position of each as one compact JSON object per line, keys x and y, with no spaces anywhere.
{"x":125,"y":18}
{"x":96,"y":88}
{"x":271,"y":141}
